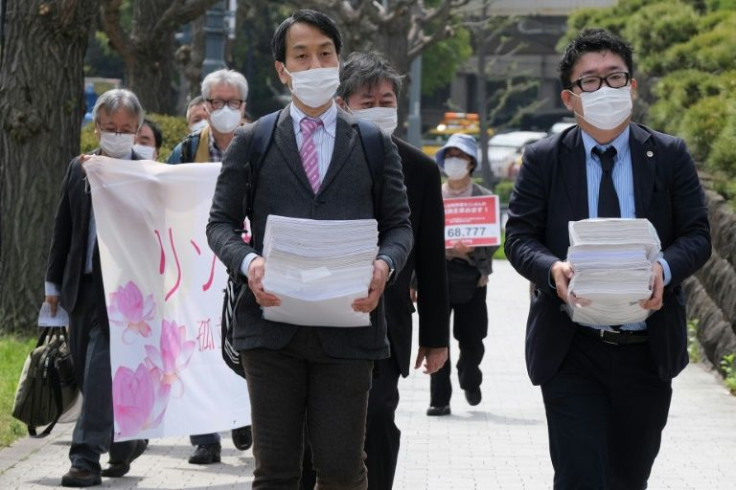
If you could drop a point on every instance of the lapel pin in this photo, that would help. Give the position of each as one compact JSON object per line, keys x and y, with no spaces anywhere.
{"x":650,"y":153}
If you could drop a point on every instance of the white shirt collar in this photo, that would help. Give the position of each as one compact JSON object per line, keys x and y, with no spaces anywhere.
{"x":328,"y":118}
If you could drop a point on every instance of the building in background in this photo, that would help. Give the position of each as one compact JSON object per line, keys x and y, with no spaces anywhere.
{"x":537,"y":28}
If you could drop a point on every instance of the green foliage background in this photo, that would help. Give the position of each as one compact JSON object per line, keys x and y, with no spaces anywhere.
{"x":686,"y":69}
{"x":13,"y":352}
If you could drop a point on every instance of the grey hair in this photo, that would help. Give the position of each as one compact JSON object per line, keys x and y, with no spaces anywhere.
{"x":366,"y":69}
{"x":226,"y":77}
{"x":198,"y":100}
{"x":119,"y":98}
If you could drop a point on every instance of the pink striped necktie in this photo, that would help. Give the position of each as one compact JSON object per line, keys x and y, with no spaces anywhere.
{"x":308,"y":151}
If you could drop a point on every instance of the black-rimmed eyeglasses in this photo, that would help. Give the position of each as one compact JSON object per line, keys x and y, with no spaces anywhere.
{"x":592,"y":83}
{"x":233,"y":104}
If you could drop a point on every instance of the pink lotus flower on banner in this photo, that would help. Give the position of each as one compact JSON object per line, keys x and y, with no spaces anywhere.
{"x":173,"y":355}
{"x":139,"y":400}
{"x":128,"y":309}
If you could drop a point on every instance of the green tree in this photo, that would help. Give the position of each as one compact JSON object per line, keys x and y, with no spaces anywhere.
{"x":441,"y":61}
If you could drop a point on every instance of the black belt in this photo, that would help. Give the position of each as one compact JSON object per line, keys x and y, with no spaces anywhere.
{"x":622,"y":337}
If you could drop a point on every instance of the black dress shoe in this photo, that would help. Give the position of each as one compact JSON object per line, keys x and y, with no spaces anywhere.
{"x":242,"y":438}
{"x":116,"y":469}
{"x":206,"y":454}
{"x":77,"y":477}
{"x":439,"y":410}
{"x":473,"y":396}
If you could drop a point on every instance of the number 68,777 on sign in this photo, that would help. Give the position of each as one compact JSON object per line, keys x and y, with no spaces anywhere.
{"x":473,"y":221}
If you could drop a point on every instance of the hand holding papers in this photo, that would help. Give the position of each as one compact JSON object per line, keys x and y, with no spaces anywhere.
{"x":318,"y":268}
{"x":612,"y":260}
{"x":47,"y":319}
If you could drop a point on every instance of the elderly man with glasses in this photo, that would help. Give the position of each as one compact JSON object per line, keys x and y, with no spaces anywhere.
{"x":224,"y":93}
{"x":74,"y":281}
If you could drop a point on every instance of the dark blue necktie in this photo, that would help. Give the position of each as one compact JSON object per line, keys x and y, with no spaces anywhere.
{"x":608,"y":206}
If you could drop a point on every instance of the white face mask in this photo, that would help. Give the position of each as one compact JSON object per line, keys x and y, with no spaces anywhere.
{"x":315,"y":87}
{"x":385,"y":118}
{"x":116,"y":145}
{"x":607,"y":107}
{"x":225,"y":120}
{"x":198,"y":126}
{"x":456,"y":168}
{"x":144,"y":151}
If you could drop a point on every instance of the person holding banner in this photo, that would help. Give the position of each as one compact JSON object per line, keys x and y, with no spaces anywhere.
{"x":74,"y":281}
{"x":468,"y":269}
{"x":224,"y":94}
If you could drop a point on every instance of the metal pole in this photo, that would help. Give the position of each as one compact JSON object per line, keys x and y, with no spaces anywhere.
{"x":215,"y":36}
{"x":414,"y":134}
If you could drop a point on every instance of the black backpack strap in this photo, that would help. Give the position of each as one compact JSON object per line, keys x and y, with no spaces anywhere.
{"x":372,"y":141}
{"x":189,"y":147}
{"x":262,"y":137}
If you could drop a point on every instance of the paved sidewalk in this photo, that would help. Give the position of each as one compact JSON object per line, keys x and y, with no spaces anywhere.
{"x":500,"y":444}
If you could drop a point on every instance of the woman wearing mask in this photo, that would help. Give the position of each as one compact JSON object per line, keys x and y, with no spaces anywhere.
{"x":467,"y":275}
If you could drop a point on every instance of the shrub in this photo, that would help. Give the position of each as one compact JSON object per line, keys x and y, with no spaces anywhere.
{"x":711,"y":50}
{"x":657,"y":27}
{"x":503,"y":189}
{"x":721,"y":157}
{"x":701,"y":124}
{"x":173,"y":128}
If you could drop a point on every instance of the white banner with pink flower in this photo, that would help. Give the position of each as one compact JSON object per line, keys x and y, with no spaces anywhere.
{"x":164,"y":291}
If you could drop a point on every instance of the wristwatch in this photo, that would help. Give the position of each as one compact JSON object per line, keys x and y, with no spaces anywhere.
{"x":390,"y":263}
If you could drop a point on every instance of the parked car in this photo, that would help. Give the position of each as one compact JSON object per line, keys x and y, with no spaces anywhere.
{"x":562,"y":125}
{"x":504,"y":149}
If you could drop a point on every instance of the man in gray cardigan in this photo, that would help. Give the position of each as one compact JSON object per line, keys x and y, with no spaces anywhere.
{"x":313,"y":377}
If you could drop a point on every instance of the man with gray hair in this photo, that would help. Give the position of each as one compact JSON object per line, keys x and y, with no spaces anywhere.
{"x":74,"y":281}
{"x":224,"y":93}
{"x":196,"y":114}
{"x":369,"y":89}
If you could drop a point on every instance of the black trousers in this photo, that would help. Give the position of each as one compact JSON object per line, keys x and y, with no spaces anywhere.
{"x":382,"y":437}
{"x":606,"y":408}
{"x":300,"y":386}
{"x":469,"y":327}
{"x":89,"y":345}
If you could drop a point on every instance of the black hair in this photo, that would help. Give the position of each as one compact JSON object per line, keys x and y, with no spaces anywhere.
{"x":157,"y":135}
{"x":593,"y":41}
{"x":314,"y":18}
{"x":366,"y":69}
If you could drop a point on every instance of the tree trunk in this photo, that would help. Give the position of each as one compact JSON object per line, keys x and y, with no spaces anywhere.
{"x":150,"y":75}
{"x":149,"y":67}
{"x":41,"y":109}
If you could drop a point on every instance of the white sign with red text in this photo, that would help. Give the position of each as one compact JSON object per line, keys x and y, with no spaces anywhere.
{"x":164,"y":292}
{"x":474,"y":221}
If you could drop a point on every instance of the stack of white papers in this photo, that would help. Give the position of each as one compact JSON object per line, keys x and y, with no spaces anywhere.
{"x":612,"y":260}
{"x":318,"y":268}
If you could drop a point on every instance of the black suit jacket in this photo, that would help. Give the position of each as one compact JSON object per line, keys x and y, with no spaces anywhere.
{"x":424,"y":193}
{"x":551,"y":189}
{"x":68,"y":251}
{"x":283,"y":189}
